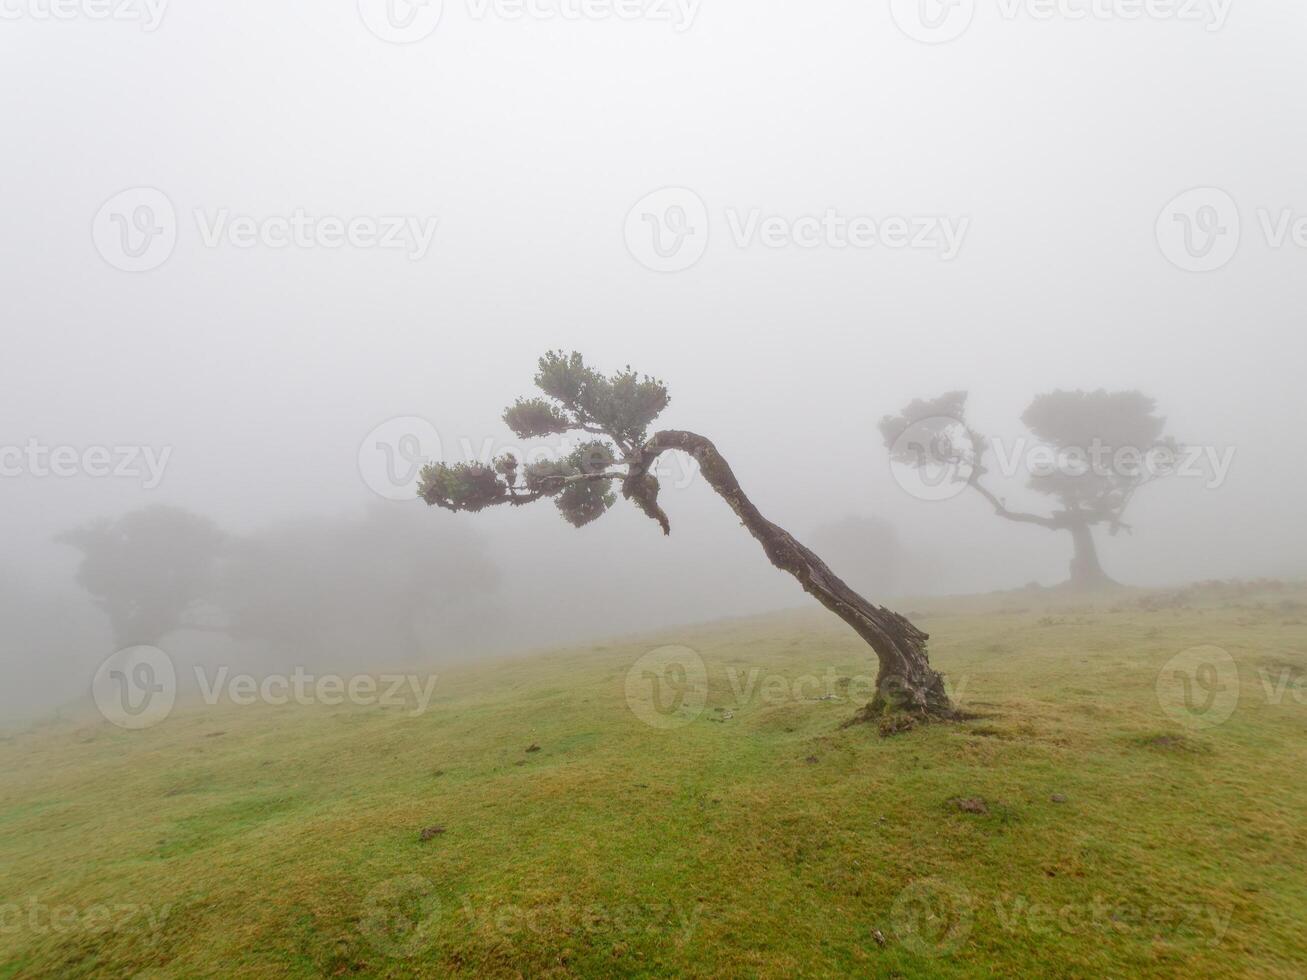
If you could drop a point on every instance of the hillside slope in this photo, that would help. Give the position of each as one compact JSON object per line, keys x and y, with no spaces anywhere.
{"x":1078,"y":828}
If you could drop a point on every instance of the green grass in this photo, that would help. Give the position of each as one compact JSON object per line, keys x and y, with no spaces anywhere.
{"x":757,"y":839}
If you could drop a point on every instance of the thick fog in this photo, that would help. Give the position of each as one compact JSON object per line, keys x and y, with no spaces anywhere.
{"x":159,"y":299}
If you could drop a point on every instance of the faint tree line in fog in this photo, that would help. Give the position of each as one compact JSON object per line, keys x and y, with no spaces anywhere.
{"x":387,"y":585}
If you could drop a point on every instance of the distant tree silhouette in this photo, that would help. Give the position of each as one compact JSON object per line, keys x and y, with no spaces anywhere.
{"x":148,"y":570}
{"x":1087,"y":435}
{"x":389,"y":581}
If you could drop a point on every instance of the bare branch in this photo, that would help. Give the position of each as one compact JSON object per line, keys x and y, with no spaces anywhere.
{"x":1002,"y":510}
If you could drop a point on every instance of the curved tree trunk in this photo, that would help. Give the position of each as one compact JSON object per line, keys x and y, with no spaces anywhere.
{"x":1086,"y":571}
{"x":905,"y":681}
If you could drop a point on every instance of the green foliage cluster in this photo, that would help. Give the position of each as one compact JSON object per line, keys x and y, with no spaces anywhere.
{"x":616,"y":409}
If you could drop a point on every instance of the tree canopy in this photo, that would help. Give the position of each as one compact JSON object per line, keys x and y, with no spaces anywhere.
{"x":148,"y":569}
{"x":616,"y":410}
{"x":1102,"y":447}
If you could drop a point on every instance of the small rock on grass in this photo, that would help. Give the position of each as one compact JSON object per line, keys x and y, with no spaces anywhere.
{"x":1058,"y":798}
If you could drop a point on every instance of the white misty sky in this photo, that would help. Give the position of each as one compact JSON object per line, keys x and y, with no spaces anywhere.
{"x":529,"y":140}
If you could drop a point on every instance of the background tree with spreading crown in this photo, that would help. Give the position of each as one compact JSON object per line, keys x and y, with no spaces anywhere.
{"x":1105,"y":446}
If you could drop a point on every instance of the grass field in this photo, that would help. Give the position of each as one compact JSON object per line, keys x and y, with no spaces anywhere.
{"x":1088,"y":824}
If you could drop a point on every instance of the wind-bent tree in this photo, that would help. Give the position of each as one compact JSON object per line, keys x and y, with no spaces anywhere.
{"x":616,"y":412}
{"x":148,"y":570}
{"x":1094,"y":451}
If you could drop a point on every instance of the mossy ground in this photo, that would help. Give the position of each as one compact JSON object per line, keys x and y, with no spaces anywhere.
{"x":758,"y":838}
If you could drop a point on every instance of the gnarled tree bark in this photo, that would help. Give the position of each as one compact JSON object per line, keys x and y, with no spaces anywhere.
{"x":905,"y":680}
